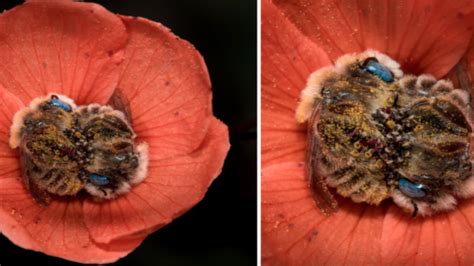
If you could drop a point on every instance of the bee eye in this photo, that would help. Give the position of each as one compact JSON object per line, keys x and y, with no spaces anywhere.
{"x":55,"y":102}
{"x":372,"y":66}
{"x":411,"y":189}
{"x":98,"y":180}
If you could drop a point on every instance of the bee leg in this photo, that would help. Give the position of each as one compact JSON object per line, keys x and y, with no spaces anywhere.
{"x":103,"y":191}
{"x":425,"y":86}
{"x":415,"y":209}
{"x":40,"y":195}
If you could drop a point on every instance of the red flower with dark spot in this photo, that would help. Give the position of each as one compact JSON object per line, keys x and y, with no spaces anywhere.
{"x":302,"y":36}
{"x":90,"y":55}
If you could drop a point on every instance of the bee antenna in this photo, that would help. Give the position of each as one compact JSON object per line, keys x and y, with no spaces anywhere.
{"x":103,"y":191}
{"x":415,"y":209}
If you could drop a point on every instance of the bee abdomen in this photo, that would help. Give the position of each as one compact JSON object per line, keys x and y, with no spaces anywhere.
{"x":340,"y":176}
{"x":61,"y":182}
{"x":354,"y":184}
{"x":373,"y":192}
{"x":359,"y":186}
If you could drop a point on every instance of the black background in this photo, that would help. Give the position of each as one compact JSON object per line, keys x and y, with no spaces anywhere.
{"x":222,"y":228}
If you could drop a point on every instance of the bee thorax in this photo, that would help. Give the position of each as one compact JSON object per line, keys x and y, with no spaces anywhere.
{"x":65,"y":149}
{"x":376,"y":134}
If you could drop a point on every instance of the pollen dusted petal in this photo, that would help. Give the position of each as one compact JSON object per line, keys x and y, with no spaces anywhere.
{"x":56,"y":230}
{"x":423,"y":36}
{"x":61,"y":46}
{"x":172,"y":187}
{"x":166,"y":83}
{"x":295,"y":232}
{"x":288,"y":58}
{"x":444,"y":239}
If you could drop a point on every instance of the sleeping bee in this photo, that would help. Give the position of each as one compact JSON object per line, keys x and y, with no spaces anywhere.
{"x":374,"y":134}
{"x":65,"y":149}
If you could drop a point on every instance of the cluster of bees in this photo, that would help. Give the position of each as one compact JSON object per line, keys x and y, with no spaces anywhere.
{"x":375,"y":133}
{"x":66,"y":150}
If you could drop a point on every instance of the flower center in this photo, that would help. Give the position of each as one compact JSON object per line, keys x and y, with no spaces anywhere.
{"x":65,"y":149}
{"x":375,"y":133}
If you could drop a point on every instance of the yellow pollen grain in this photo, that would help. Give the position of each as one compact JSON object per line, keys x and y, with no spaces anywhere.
{"x":357,"y":145}
{"x":355,"y":153}
{"x":368,"y":154}
{"x":391,"y":124}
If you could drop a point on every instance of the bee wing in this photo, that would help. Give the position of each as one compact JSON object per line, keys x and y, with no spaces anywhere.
{"x":461,"y":80}
{"x":40,"y":195}
{"x":119,"y":102}
{"x":321,"y":194}
{"x":462,"y":75}
{"x":465,"y":83}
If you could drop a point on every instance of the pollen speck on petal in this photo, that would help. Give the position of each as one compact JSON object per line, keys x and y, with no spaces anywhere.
{"x":296,"y":232}
{"x":172,"y":187}
{"x":424,"y":36}
{"x":446,"y":238}
{"x":288,"y":58}
{"x":66,"y":47}
{"x":167,"y":86}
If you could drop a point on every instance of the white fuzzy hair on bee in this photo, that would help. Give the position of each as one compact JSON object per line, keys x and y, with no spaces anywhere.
{"x":375,"y":133}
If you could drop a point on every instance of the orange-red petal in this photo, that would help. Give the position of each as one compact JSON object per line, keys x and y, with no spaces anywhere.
{"x":444,"y":239}
{"x":172,"y":187}
{"x":288,"y":58}
{"x":61,"y":46}
{"x":166,"y":84}
{"x":295,"y":232}
{"x":470,"y":60}
{"x":424,"y":36}
{"x":58,"y":229}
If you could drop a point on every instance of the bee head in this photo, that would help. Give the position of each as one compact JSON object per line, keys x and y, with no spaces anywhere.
{"x":423,"y":195}
{"x":370,"y":64}
{"x":55,"y":102}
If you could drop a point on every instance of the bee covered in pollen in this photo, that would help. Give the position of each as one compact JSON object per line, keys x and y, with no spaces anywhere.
{"x":375,"y":133}
{"x":65,"y":149}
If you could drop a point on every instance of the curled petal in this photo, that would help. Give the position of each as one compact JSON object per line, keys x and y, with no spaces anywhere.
{"x":288,"y":58}
{"x":172,"y":187}
{"x":56,"y":230}
{"x":166,"y":84}
{"x":61,"y":46}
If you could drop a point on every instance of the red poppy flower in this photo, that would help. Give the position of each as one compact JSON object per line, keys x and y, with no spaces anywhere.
{"x":299,"y":37}
{"x":92,"y":56}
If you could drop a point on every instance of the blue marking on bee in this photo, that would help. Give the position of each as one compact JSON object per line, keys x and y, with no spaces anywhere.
{"x":411,"y":189}
{"x":98,"y":180}
{"x":379,"y":70}
{"x":60,"y":104}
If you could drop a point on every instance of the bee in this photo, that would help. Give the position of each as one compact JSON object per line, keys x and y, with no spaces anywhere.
{"x":374,"y":133}
{"x":65,"y":149}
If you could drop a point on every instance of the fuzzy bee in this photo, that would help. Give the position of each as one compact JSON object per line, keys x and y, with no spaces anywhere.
{"x":65,"y":149}
{"x":374,"y":134}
